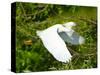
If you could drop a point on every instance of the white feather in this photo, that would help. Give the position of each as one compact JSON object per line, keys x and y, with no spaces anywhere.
{"x":53,"y":39}
{"x":55,"y":44}
{"x":69,"y":25}
{"x":69,"y":35}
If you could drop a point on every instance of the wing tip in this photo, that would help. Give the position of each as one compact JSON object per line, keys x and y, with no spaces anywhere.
{"x":66,"y":59}
{"x":81,"y":40}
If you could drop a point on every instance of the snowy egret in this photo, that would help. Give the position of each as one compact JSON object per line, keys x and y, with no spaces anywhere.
{"x":53,"y":39}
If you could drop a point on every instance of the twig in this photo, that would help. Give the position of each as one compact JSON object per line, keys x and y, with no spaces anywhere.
{"x":87,"y":20}
{"x":23,"y":9}
{"x":76,"y":54}
{"x":34,"y":15}
{"x":80,"y":18}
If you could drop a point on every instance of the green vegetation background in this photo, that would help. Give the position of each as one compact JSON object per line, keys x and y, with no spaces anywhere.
{"x":32,"y":16}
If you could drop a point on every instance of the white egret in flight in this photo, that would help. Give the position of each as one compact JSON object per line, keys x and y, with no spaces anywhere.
{"x":53,"y":39}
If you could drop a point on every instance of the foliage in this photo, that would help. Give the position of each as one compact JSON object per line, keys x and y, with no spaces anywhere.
{"x":31,"y":17}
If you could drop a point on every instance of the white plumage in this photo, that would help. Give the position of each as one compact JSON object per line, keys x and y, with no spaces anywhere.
{"x":69,"y":35}
{"x":53,"y":40}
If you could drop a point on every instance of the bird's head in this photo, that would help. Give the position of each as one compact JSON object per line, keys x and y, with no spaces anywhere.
{"x":66,"y":27}
{"x":69,"y":25}
{"x":69,"y":35}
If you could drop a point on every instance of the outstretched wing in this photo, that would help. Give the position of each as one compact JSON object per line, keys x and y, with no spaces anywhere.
{"x":55,"y":45}
{"x":71,"y":37}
